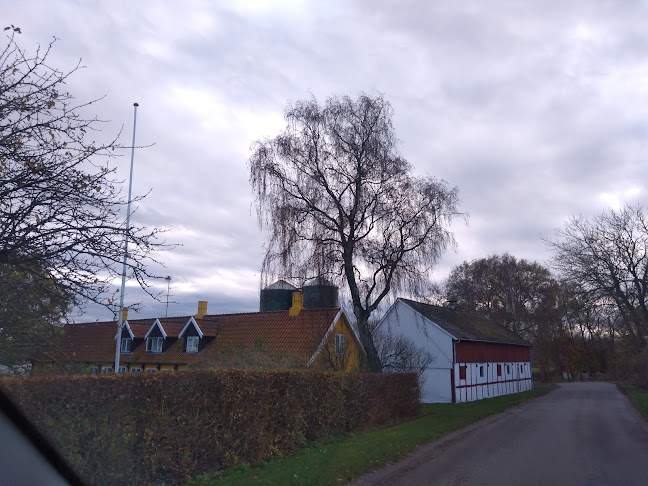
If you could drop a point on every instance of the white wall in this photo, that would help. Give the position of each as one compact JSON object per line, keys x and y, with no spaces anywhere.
{"x":436,"y":386}
{"x":402,"y":320}
{"x":515,"y":378}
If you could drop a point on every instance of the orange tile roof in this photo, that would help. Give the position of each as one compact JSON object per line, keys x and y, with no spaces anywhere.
{"x":275,"y":331}
{"x":139,"y":327}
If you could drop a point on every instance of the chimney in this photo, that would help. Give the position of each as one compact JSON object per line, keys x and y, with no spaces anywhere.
{"x":297,"y":303}
{"x":124,"y":314}
{"x":202,"y":309}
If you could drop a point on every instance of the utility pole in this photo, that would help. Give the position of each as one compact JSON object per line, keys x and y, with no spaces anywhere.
{"x":120,"y":324}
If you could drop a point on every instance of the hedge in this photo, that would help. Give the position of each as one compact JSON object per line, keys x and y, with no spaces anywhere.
{"x":164,"y":428}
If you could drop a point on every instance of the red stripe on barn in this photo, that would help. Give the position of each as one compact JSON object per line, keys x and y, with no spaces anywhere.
{"x":481,"y":352}
{"x":492,"y":383}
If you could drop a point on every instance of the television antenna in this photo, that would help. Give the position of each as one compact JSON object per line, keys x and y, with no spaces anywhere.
{"x":168,"y":279}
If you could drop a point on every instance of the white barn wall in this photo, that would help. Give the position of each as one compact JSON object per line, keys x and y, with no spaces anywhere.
{"x":436,"y":383}
{"x":474,"y":387}
{"x":436,"y":386}
{"x":402,"y":320}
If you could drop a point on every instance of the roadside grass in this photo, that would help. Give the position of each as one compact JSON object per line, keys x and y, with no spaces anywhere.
{"x":638,"y":396}
{"x":342,"y":460}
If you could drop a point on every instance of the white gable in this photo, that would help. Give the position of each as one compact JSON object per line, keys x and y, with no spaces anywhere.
{"x":402,"y":320}
{"x":159,"y":325}
{"x":190,"y":322}
{"x":127,"y":327}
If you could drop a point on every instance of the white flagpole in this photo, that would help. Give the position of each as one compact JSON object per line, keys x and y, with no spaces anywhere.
{"x":120,"y":323}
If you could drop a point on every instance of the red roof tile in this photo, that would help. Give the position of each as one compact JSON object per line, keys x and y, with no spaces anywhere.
{"x":273,"y":331}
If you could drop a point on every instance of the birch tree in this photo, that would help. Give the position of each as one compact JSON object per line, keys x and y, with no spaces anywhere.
{"x":339,"y":202}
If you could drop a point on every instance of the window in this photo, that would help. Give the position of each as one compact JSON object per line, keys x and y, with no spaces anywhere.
{"x":499,"y":370}
{"x":192,"y":344}
{"x":481,"y":371}
{"x":95,"y":369}
{"x":136,"y":370}
{"x":106,"y":370}
{"x":508,"y":369}
{"x":123,"y":369}
{"x":462,"y":372}
{"x":126,"y":344}
{"x":154,"y":344}
{"x":339,"y":344}
{"x":151,"y":369}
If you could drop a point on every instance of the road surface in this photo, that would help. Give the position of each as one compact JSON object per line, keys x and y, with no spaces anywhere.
{"x":578,"y":434}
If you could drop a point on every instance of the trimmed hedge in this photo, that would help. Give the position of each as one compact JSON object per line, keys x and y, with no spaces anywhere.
{"x":167,"y":427}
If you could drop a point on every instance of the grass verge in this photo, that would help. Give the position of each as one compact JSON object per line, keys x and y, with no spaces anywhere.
{"x":638,"y":396}
{"x":342,"y":460}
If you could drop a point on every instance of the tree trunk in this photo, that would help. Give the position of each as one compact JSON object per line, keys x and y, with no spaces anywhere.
{"x":373,"y":359}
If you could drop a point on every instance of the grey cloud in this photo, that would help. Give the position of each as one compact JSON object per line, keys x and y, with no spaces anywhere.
{"x":533,"y":110}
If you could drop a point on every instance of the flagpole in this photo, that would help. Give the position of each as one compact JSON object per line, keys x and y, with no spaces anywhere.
{"x":120,"y":323}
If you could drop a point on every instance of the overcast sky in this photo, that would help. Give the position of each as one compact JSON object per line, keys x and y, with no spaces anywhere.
{"x":535,"y":110}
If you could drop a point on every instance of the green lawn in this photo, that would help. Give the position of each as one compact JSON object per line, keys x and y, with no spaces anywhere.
{"x":348,"y":458}
{"x":639,"y":397}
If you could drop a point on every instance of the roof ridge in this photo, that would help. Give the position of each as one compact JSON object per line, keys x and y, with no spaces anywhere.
{"x":161,"y":319}
{"x":461,"y":311}
{"x":337,"y":309}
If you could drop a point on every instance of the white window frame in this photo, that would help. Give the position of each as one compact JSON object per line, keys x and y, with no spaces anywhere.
{"x":136,"y":370}
{"x":195,"y":342}
{"x":94,"y":370}
{"x":106,"y":370}
{"x":126,"y":345}
{"x":154,"y":344}
{"x":123,"y":369}
{"x":339,"y":344}
{"x":149,"y":370}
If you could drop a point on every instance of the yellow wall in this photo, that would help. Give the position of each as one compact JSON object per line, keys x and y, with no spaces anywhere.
{"x":353,"y":359}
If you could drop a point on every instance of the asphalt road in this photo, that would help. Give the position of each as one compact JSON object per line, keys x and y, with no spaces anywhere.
{"x":578,"y":434}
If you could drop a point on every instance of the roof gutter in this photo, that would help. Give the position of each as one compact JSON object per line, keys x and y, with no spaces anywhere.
{"x":494,"y":342}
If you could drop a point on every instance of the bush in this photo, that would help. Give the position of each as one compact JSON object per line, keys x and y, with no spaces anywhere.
{"x":641,"y":369}
{"x":167,"y":427}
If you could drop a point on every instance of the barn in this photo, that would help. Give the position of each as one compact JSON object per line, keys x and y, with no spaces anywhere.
{"x":473,"y":356}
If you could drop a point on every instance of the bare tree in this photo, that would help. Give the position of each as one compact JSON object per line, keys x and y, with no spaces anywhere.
{"x":399,"y":354}
{"x":341,"y":203}
{"x":510,"y":291}
{"x":607,"y":257}
{"x":61,"y":213}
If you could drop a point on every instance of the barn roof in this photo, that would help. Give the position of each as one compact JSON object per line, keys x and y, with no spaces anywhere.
{"x":466,"y":325}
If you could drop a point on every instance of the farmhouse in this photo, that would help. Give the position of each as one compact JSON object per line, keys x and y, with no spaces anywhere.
{"x":302,"y":332}
{"x":473,"y":357}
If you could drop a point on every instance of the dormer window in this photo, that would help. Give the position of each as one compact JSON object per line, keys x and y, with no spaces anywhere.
{"x":154,"y":344}
{"x":192,"y":344}
{"x":156,"y":338}
{"x":192,"y":335}
{"x":126,"y":345}
{"x":126,"y":339}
